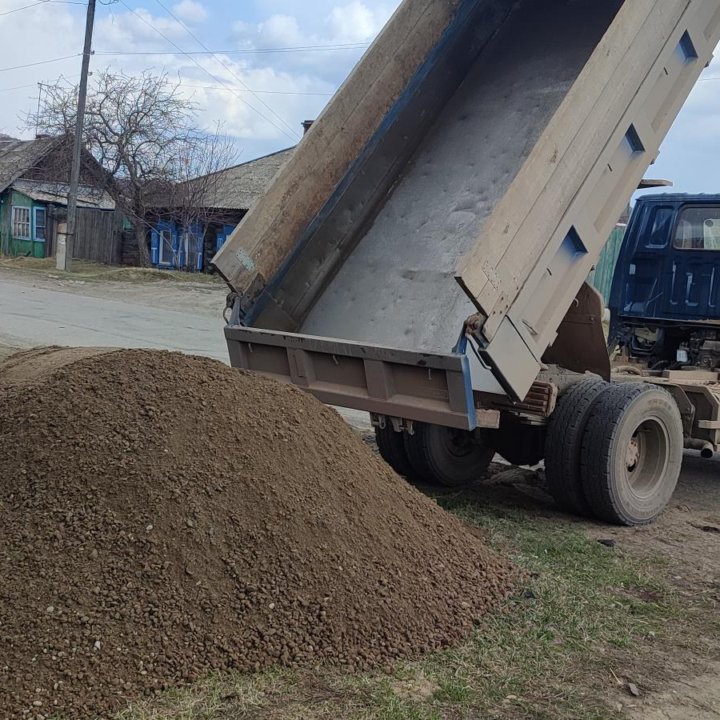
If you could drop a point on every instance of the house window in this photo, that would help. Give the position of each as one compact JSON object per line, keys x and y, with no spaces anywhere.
{"x":21,"y":223}
{"x":39,"y":223}
{"x":166,"y":248}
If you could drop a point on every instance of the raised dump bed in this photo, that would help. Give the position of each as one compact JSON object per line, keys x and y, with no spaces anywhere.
{"x":475,"y":161}
{"x":428,"y":240}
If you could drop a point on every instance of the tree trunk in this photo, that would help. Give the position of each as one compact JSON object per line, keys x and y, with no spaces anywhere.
{"x":142,"y":244}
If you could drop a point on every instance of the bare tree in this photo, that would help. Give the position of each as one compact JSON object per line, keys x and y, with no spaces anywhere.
{"x":143,"y":132}
{"x":194,"y":196}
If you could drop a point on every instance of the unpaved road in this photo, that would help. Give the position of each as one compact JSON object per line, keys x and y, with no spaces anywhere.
{"x":158,"y":315}
{"x":167,"y":315}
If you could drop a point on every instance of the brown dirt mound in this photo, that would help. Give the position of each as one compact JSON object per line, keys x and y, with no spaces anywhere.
{"x":162,"y":516}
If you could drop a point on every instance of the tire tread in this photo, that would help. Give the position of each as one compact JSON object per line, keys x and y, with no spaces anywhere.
{"x":564,"y":441}
{"x":391,"y":446}
{"x":602,"y":426}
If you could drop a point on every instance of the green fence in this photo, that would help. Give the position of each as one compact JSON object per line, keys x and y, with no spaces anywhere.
{"x":602,"y":276}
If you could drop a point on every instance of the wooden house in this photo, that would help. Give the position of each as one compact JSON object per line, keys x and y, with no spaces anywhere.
{"x":191,"y":221}
{"x":34,"y":178}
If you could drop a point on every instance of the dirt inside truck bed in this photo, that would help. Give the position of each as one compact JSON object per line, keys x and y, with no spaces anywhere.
{"x":164,"y":516}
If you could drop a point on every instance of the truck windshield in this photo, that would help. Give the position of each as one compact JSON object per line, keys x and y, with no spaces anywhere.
{"x":698,"y":229}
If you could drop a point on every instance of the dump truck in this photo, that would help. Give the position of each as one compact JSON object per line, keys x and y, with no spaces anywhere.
{"x":422,"y":255}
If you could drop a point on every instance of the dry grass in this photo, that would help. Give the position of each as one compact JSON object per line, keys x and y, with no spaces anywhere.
{"x":96,"y":272}
{"x":552,"y":652}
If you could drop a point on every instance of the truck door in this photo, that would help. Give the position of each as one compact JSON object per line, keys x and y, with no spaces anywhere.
{"x":643,"y":268}
{"x":693,"y":280}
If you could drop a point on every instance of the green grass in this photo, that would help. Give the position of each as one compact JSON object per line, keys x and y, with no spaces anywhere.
{"x":548,"y":653}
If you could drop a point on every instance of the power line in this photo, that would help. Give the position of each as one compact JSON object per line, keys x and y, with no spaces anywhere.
{"x":35,"y":84}
{"x":261,"y":92}
{"x":253,"y":51}
{"x":226,"y":67}
{"x":19,"y":87}
{"x":204,"y":69}
{"x":40,"y":62}
{"x":41,"y":2}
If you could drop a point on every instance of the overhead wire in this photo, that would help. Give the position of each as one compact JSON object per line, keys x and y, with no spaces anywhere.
{"x":205,"y":70}
{"x":41,"y":2}
{"x":262,"y":92}
{"x":40,"y":62}
{"x":227,"y":68}
{"x":19,"y":87}
{"x":249,"y":51}
{"x":35,"y":84}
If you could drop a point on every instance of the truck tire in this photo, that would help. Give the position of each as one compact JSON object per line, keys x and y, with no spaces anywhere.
{"x":392,"y":449}
{"x":563,"y":444}
{"x":631,"y":453}
{"x":446,"y":456}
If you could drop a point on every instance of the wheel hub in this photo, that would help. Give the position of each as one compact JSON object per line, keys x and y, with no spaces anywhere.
{"x":458,"y":443}
{"x":633,"y":453}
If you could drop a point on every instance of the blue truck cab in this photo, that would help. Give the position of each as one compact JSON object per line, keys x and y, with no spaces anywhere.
{"x":665,"y":296}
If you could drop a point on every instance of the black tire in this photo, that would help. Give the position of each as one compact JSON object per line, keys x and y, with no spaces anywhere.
{"x":631,"y":453}
{"x":392,"y":449}
{"x":563,"y":444}
{"x":445,"y":456}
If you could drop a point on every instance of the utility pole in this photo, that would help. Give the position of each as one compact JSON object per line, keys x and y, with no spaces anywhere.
{"x":64,"y":255}
{"x":37,"y":119}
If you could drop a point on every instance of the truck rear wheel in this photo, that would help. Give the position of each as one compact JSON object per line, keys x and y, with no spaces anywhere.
{"x":563,"y":444}
{"x":631,"y":453}
{"x":445,"y":455}
{"x":392,"y":449}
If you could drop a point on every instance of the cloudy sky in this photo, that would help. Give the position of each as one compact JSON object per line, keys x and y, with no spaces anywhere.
{"x":279,"y":61}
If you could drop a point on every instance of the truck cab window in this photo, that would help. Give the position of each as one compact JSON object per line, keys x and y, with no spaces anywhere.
{"x":659,"y":227}
{"x":698,"y":229}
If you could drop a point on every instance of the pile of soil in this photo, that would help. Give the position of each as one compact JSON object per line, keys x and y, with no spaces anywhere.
{"x":162,"y":516}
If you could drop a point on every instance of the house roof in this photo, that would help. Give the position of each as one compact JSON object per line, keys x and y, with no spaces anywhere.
{"x":237,"y":187}
{"x":18,"y":156}
{"x":57,"y":192}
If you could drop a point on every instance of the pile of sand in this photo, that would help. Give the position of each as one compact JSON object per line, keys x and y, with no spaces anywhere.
{"x":162,"y":516}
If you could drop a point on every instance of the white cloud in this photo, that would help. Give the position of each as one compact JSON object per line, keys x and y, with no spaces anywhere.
{"x":290,"y":85}
{"x":190,"y":11}
{"x":355,"y":22}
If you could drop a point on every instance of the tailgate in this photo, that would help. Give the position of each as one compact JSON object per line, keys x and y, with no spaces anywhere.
{"x":426,"y":387}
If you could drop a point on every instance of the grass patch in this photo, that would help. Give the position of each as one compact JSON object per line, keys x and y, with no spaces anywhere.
{"x":87,"y":271}
{"x":549,"y":653}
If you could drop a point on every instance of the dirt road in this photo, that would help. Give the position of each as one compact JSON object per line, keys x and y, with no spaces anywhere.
{"x":46,"y":311}
{"x":167,"y":315}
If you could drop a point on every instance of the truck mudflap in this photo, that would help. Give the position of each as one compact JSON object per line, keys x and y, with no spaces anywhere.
{"x":426,"y":387}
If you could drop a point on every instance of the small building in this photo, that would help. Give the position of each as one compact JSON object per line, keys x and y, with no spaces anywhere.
{"x":190,"y":223}
{"x":34,"y":178}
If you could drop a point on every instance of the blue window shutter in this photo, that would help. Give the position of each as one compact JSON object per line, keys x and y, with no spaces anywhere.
{"x":175,"y":245}
{"x":223,"y":235}
{"x":154,"y":247}
{"x":199,"y":246}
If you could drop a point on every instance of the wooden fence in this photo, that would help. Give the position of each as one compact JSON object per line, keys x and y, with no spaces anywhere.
{"x":98,"y":236}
